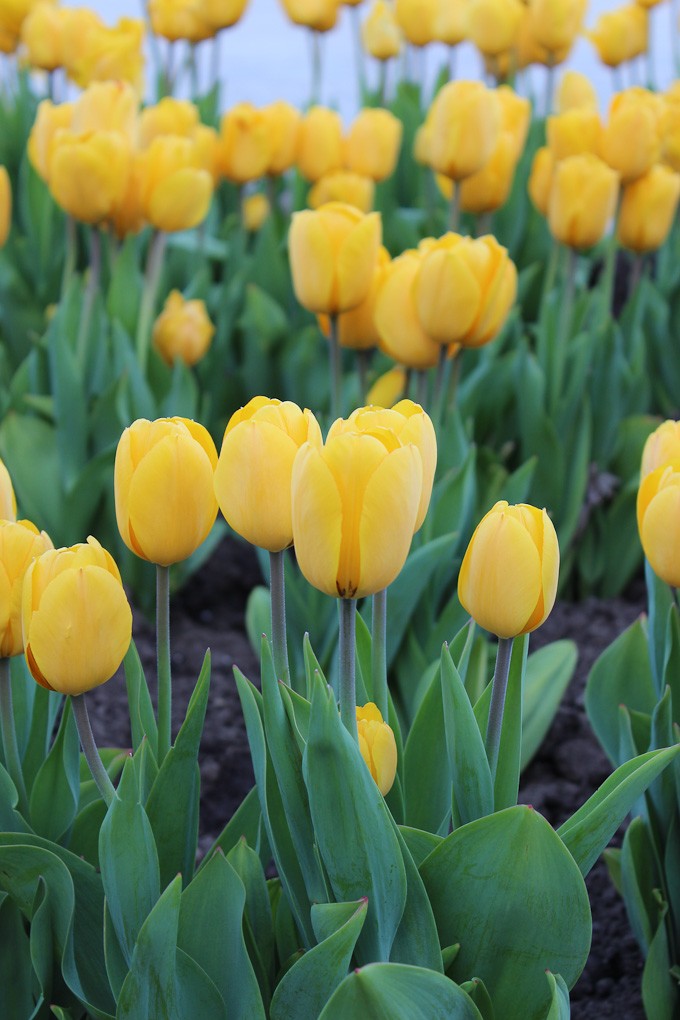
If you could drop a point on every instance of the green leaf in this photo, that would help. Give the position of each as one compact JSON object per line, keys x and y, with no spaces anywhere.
{"x":419,"y":843}
{"x":54,"y":797}
{"x":427,"y":773}
{"x":248,"y":867}
{"x":559,"y":1003}
{"x":660,"y":996}
{"x":246,"y":822}
{"x":29,"y":450}
{"x":142,"y":718}
{"x":395,"y":991}
{"x":549,"y":672}
{"x":16,"y":971}
{"x":588,"y":831}
{"x":504,"y":887}
{"x":509,"y":755}
{"x":70,"y":404}
{"x":416,"y":941}
{"x":639,"y":876}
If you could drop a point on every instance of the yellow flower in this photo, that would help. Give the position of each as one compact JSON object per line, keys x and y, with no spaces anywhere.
{"x":8,"y":503}
{"x":574,"y":132}
{"x":41,"y":36}
{"x":554,"y":24}
{"x":319,"y":143}
{"x":106,"y":106}
{"x":355,"y":503}
{"x":620,"y":35}
{"x":515,"y":116}
{"x":465,"y":289}
{"x":658,"y":513}
{"x":245,"y":143}
{"x":372,"y":143}
{"x":508,"y":578}
{"x":179,"y":19}
{"x":399,"y":327}
{"x":253,"y":476}
{"x":648,"y":209}
{"x":582,"y":200}
{"x":575,"y":92}
{"x":13,"y":13}
{"x":388,"y":388}
{"x":319,"y":15}
{"x":284,"y":122}
{"x":20,"y":544}
{"x":163,"y":487}
{"x":255,"y":211}
{"x":49,"y":120}
{"x":76,"y":620}
{"x":111,"y":54}
{"x":661,"y":448}
{"x":5,"y":206}
{"x":488,"y":189}
{"x":175,"y":192}
{"x":343,"y":186}
{"x":493,"y":25}
{"x":333,"y":252}
{"x":183,"y":330}
{"x":416,"y":18}
{"x":636,"y":114}
{"x":378,"y":746}
{"x":380,"y":32}
{"x":465,"y":122}
{"x":221,"y":14}
{"x":357,"y":328}
{"x":541,"y":178}
{"x":89,"y":173}
{"x":168,"y":116}
{"x":450,"y":23}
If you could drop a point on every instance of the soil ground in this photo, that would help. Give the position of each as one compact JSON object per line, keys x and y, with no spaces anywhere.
{"x":209,"y":612}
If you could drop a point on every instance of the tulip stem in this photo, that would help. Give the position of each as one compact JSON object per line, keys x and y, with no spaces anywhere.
{"x":363,"y":361}
{"x":453,"y":53}
{"x":154,"y":264}
{"x":163,"y":660}
{"x":564,"y":331}
{"x":347,"y":650}
{"x":498,"y":692}
{"x":379,"y":651}
{"x":609,"y":275}
{"x":316,"y":68}
{"x":90,"y":294}
{"x":650,"y":83}
{"x":359,"y":54}
{"x":454,"y":208}
{"x":636,"y":273}
{"x":71,"y":254}
{"x":9,"y":736}
{"x":277,"y":588}
{"x":441,"y":387}
{"x":336,"y":369}
{"x":549,"y":88}
{"x":87,"y":742}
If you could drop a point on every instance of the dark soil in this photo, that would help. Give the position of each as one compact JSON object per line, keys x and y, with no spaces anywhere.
{"x":209,"y":613}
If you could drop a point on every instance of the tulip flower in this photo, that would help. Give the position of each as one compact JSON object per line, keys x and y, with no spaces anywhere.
{"x":20,"y":544}
{"x":168,"y":116}
{"x":377,"y":745}
{"x":661,"y":448}
{"x":284,"y":122}
{"x":111,"y":54}
{"x":254,"y":211}
{"x":416,"y":19}
{"x":41,"y":36}
{"x":555,"y":24}
{"x":637,"y":114}
{"x":221,"y":14}
{"x":620,"y":35}
{"x":381,"y":35}
{"x":5,"y":206}
{"x":372,"y":143}
{"x":515,"y":117}
{"x":388,"y":388}
{"x":319,"y":15}
{"x":658,"y":513}
{"x":89,"y":173}
{"x":401,"y":332}
{"x":451,"y":22}
{"x":8,"y":503}
{"x":179,"y":19}
{"x":343,"y":186}
{"x":489,"y":188}
{"x":183,"y":330}
{"x":493,"y":25}
{"x":319,"y":143}
{"x":582,"y":200}
{"x":541,"y":178}
{"x":245,"y":143}
{"x":574,"y":132}
{"x":49,"y":121}
{"x":575,"y":92}
{"x":465,"y":121}
{"x":357,"y":329}
{"x":175,"y":192}
{"x":648,"y":209}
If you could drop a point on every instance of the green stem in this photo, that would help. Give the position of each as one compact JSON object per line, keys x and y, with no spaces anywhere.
{"x":551,"y":271}
{"x":421,"y":388}
{"x":498,"y":691}
{"x":379,"y":652}
{"x":277,"y":587}
{"x":315,"y":96}
{"x":163,"y":661}
{"x":363,"y":358}
{"x":549,"y":89}
{"x":99,"y":773}
{"x":90,"y":294}
{"x":610,"y":269}
{"x":651,"y":84}
{"x":71,"y":254}
{"x":347,"y":652}
{"x":336,"y":369}
{"x":9,"y":736}
{"x":359,"y":53}
{"x":154,"y":264}
{"x":675,"y":35}
{"x":454,"y":208}
{"x":453,"y":53}
{"x":382,"y":82}
{"x":563,"y":335}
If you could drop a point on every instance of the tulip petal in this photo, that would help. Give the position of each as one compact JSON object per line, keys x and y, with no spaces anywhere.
{"x":317,"y":519}
{"x":401,"y":333}
{"x":660,"y":541}
{"x":384,"y":756}
{"x":356,"y":262}
{"x":181,"y":200}
{"x":311,"y":262}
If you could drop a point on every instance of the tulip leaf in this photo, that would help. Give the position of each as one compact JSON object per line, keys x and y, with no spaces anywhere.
{"x":70,"y":404}
{"x":395,"y":991}
{"x":246,"y":821}
{"x":419,"y":843}
{"x":427,"y":775}
{"x":660,"y":997}
{"x":56,"y":789}
{"x":559,"y":1002}
{"x":16,"y":970}
{"x":416,"y":941}
{"x":306,"y":987}
{"x":172,"y":806}
{"x":213,"y":902}
{"x":638,"y":877}
{"x":353,"y":827}
{"x":549,"y":672}
{"x":116,"y":965}
{"x":84,"y":838}
{"x":142,"y":718}
{"x":10,"y":819}
{"x":29,"y":449}
{"x":258,"y":913}
{"x":588,"y":831}
{"x":504,"y":888}
{"x":477,"y":991}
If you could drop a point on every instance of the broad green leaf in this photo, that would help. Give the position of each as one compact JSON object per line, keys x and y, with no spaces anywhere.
{"x":142,"y":718}
{"x":16,"y":971}
{"x":416,"y":941}
{"x":258,"y":913}
{"x":419,"y":842}
{"x":395,"y":991}
{"x":246,"y":821}
{"x":55,"y":792}
{"x":427,"y":772}
{"x":549,"y":672}
{"x":660,"y":995}
{"x":477,"y":991}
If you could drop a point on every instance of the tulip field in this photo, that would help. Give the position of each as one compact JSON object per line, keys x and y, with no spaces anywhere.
{"x":423,"y":360}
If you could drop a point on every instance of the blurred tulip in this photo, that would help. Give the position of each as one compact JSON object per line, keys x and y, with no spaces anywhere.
{"x":49,"y":120}
{"x":648,"y":209}
{"x":77,"y":25}
{"x":515,"y":116}
{"x":221,"y":14}
{"x":489,"y":188}
{"x":416,"y":19}
{"x":255,"y":210}
{"x":620,"y":35}
{"x":380,"y":33}
{"x":41,"y":36}
{"x":669,"y":128}
{"x":5,"y":206}
{"x":77,"y":623}
{"x":493,"y":25}
{"x":20,"y":544}
{"x":658,"y":513}
{"x":451,"y":21}
{"x":541,"y":178}
{"x":582,"y":200}
{"x":179,"y":19}
{"x":388,"y":388}
{"x":163,"y":487}
{"x":372,"y":143}
{"x":284,"y":136}
{"x":89,"y":173}
{"x":8,"y":503}
{"x":422,"y":143}
{"x":245,"y":143}
{"x":319,"y":143}
{"x":13,"y":14}
{"x":378,"y":746}
{"x":465,"y":122}
{"x":175,"y":192}
{"x":343,"y":186}
{"x":107,"y":105}
{"x":319,"y":15}
{"x":183,"y":330}
{"x":508,"y":578}
{"x":111,"y":54}
{"x":661,"y":448}
{"x":168,"y":116}
{"x":399,"y":327}
{"x":631,"y":119}
{"x":333,"y":252}
{"x":555,"y":24}
{"x":575,"y":92}
{"x":574,"y":132}
{"x":355,"y":502}
{"x":254,"y":471}
{"x":357,"y":328}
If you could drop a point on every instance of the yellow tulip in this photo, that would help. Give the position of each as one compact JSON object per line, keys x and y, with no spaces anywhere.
{"x":77,"y":25}
{"x":179,"y":19}
{"x":319,"y":143}
{"x":669,"y":127}
{"x":255,"y":211}
{"x":284,"y":122}
{"x":127,"y":214}
{"x":575,"y":92}
{"x":464,"y":289}
{"x":355,"y":502}
{"x":658,"y":513}
{"x":582,"y":200}
{"x":416,"y":19}
{"x":106,"y":106}
{"x":541,"y":178}
{"x":221,"y":14}
{"x":20,"y":544}
{"x":255,"y":467}
{"x":636,"y":114}
{"x":343,"y":186}
{"x":168,"y":116}
{"x":508,"y":578}
{"x":89,"y":173}
{"x":411,"y":424}
{"x":76,"y":620}
{"x":493,"y":25}
{"x":422,"y":143}
{"x":13,"y":14}
{"x":574,"y":132}
{"x":163,"y":487}
{"x":175,"y":192}
{"x":357,"y":328}
{"x":372,"y":143}
{"x":49,"y":121}
{"x":8,"y":503}
{"x":319,"y":15}
{"x":245,"y":143}
{"x":5,"y":206}
{"x":554,"y":24}
{"x":661,"y":448}
{"x":206,"y":142}
{"x":378,"y":746}
{"x":333,"y":252}
{"x":451,"y":21}
{"x":465,"y":122}
{"x":648,"y":209}
{"x":388,"y":388}
{"x":380,"y":32}
{"x":399,"y":327}
{"x":620,"y":35}
{"x":489,"y":188}
{"x":41,"y":37}
{"x":111,"y":54}
{"x":515,"y":116}
{"x":183,"y":330}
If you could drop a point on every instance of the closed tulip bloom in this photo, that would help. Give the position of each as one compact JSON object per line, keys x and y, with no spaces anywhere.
{"x":355,"y":503}
{"x":183,"y":331}
{"x":357,"y":328}
{"x":41,"y":36}
{"x":20,"y":544}
{"x":245,"y":143}
{"x":169,"y":116}
{"x":636,"y":114}
{"x":378,"y":746}
{"x":574,"y":132}
{"x":465,"y":289}
{"x":515,"y":116}
{"x":179,"y":19}
{"x":411,"y":424}
{"x":582,"y":200}
{"x":661,"y":448}
{"x":416,"y":19}
{"x":669,"y":127}
{"x":163,"y":486}
{"x":658,"y":513}
{"x":106,"y":105}
{"x":77,"y":623}
{"x":333,"y":252}
{"x":319,"y":143}
{"x":343,"y":186}
{"x":489,"y":188}
{"x":554,"y":24}
{"x":8,"y":503}
{"x":372,"y":143}
{"x":388,"y":388}
{"x":284,"y":136}
{"x":620,"y":35}
{"x":508,"y":578}
{"x":648,"y":209}
{"x":111,"y":54}
{"x":78,"y":24}
{"x":451,"y":21}
{"x":255,"y":210}
{"x":380,"y":33}
{"x":254,"y":472}
{"x":175,"y":192}
{"x":422,"y":143}
{"x":493,"y":25}
{"x":575,"y":92}
{"x":541,"y":178}
{"x":5,"y":206}
{"x":319,"y":15}
{"x":466,"y":120}
{"x":401,"y":332}
{"x":220,"y":14}
{"x":13,"y":14}
{"x":49,"y":120}
{"x":89,"y":173}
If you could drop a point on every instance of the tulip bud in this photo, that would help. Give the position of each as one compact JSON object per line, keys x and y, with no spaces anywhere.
{"x":245,"y":143}
{"x":380,"y":32}
{"x":575,"y":92}
{"x":378,"y":746}
{"x":661,"y":448}
{"x":508,"y":578}
{"x":396,"y":316}
{"x":582,"y":200}
{"x":465,"y":122}
{"x":20,"y":544}
{"x":168,"y":116}
{"x":648,"y":209}
{"x":541,"y":178}
{"x":388,"y":388}
{"x":372,"y":143}
{"x":8,"y":503}
{"x":343,"y":186}
{"x":41,"y":35}
{"x":574,"y":132}
{"x":493,"y":25}
{"x":319,"y":15}
{"x":620,"y":35}
{"x":554,"y":24}
{"x":183,"y":330}
{"x":49,"y":121}
{"x":89,"y":173}
{"x":284,"y":123}
{"x":5,"y":206}
{"x":77,"y":624}
{"x":489,"y":188}
{"x":163,"y":486}
{"x":355,"y":503}
{"x":416,"y":19}
{"x":319,"y":143}
{"x":333,"y":252}
{"x":451,"y":21}
{"x":111,"y":54}
{"x":221,"y":14}
{"x":658,"y":513}
{"x":255,"y":211}
{"x":179,"y":19}
{"x":633,"y":114}
{"x":515,"y":117}
{"x":175,"y":192}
